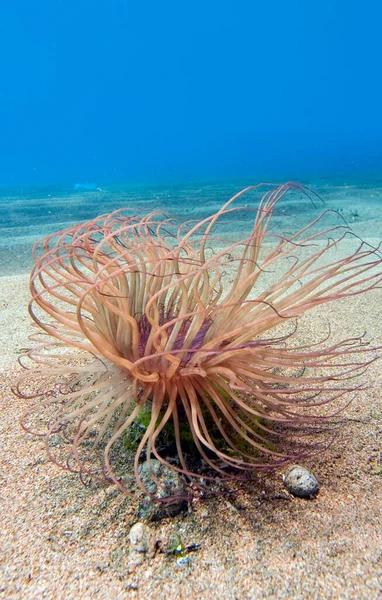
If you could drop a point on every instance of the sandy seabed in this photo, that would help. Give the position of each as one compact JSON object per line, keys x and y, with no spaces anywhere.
{"x":62,"y":540}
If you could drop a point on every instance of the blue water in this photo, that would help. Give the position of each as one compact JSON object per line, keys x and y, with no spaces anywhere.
{"x":123,"y":91}
{"x":178,"y":105}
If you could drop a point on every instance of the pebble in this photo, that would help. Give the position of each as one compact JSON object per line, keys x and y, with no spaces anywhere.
{"x":142,"y":543}
{"x":172,"y":544}
{"x":171,"y":484}
{"x":183,"y":561}
{"x":300,"y":482}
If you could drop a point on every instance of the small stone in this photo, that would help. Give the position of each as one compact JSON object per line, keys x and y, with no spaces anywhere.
{"x":183,"y":561}
{"x":300,"y":482}
{"x":139,"y":534}
{"x":171,"y":484}
{"x":172,"y":544}
{"x":142,"y":543}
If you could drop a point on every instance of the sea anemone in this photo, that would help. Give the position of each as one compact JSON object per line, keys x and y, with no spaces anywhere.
{"x":166,"y":342}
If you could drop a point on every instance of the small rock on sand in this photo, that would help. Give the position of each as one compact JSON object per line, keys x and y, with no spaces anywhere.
{"x":171,"y":484}
{"x":300,"y":482}
{"x":142,"y":543}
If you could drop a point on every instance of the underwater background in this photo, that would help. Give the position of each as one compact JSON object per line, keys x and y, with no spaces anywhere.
{"x":177,"y":105}
{"x":106,"y":104}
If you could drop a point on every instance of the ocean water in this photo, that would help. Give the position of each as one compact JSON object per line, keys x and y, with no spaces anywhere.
{"x":29,"y":214}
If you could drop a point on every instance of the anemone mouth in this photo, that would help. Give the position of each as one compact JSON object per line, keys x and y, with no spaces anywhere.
{"x":167,"y":321}
{"x":195,"y":346}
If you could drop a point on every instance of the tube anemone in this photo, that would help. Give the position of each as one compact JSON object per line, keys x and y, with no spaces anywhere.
{"x":154,"y":336}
